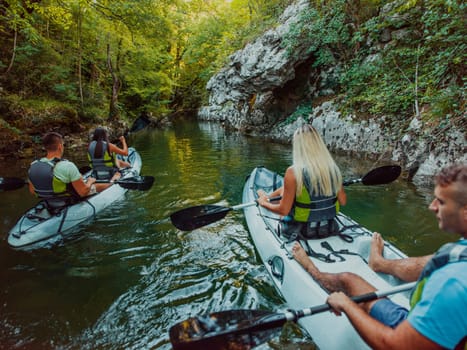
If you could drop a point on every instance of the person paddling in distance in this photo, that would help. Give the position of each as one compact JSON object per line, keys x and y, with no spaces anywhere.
{"x":102,"y":156}
{"x":53,"y":177}
{"x":312,"y":190}
{"x":438,"y":316}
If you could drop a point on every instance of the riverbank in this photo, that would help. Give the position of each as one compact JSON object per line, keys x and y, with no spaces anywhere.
{"x":421,"y":148}
{"x":27,"y":144}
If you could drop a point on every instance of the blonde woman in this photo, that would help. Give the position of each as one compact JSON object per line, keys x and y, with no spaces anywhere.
{"x":312,"y":191}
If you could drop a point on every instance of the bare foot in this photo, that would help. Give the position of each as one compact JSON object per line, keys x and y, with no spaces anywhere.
{"x":302,"y":258}
{"x":116,"y":176}
{"x":376,"y":252}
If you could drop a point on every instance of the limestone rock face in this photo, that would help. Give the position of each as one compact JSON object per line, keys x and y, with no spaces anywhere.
{"x":420,"y":151}
{"x":251,"y":92}
{"x":263,"y":85}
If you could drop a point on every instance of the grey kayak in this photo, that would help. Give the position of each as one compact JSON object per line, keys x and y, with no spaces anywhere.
{"x":38,"y":227}
{"x":332,"y":254}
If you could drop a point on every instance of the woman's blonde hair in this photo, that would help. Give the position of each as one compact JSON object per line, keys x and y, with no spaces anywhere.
{"x":311,"y":156}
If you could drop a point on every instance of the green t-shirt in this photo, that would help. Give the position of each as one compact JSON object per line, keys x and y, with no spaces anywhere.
{"x":66,"y":171}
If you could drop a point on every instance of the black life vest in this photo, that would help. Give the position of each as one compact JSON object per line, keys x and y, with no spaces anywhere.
{"x":104,"y":166}
{"x":46,"y":185}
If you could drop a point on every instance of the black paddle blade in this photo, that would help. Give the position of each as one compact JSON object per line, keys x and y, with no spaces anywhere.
{"x":195,"y":217}
{"x":382,"y":175}
{"x":84,"y":169}
{"x":233,"y":329}
{"x":140,"y":183}
{"x":11,"y":183}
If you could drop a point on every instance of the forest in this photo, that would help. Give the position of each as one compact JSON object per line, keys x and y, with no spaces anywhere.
{"x":71,"y":64}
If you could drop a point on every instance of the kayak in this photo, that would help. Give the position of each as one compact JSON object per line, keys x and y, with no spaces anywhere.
{"x":347,"y":251}
{"x":39,"y":226}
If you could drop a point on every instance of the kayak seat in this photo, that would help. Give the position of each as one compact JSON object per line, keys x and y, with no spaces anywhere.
{"x":39,"y":213}
{"x":55,"y":205}
{"x":291,"y":230}
{"x":322,"y":229}
{"x":103,"y":173}
{"x":49,"y":207}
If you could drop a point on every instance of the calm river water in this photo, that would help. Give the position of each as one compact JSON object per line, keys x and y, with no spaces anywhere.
{"x":129,"y":275}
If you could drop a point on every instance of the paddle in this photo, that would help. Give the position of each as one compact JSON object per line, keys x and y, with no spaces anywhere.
{"x":378,"y":176}
{"x":11,"y":183}
{"x":198,"y":216}
{"x":242,"y":329}
{"x":141,"y":183}
{"x":195,"y":217}
{"x":84,"y":169}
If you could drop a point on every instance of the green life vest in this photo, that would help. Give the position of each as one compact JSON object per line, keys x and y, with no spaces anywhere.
{"x":46,"y":185}
{"x":104,"y":162}
{"x":309,"y":208}
{"x":448,"y":253}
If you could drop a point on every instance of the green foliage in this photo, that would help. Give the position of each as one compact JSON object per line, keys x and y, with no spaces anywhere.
{"x":164,"y":52}
{"x":5,"y":125}
{"x":221,"y":30}
{"x":93,"y":114}
{"x":303,"y":111}
{"x":324,"y":33}
{"x":422,"y":67}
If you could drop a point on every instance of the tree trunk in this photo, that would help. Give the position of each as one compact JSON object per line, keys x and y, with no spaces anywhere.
{"x":80,"y":54}
{"x":113,"y":108}
{"x":13,"y":54}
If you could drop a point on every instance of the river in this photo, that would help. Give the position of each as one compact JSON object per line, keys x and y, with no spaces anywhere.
{"x":129,"y":275}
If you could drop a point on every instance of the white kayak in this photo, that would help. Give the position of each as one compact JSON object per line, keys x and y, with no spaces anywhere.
{"x":39,"y":227}
{"x":296,"y":286}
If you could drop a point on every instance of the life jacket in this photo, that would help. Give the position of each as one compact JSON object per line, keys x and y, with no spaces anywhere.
{"x":448,"y":253}
{"x":46,"y":185}
{"x":314,"y":215}
{"x":103,"y":167}
{"x":313,"y":209}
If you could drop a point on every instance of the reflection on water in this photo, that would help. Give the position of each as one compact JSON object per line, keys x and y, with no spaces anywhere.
{"x":129,"y":275}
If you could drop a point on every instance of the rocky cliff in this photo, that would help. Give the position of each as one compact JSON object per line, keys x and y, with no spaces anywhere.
{"x":264,"y":84}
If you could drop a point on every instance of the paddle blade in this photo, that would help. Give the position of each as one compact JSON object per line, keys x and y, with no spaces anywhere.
{"x":233,"y":329}
{"x":140,"y":183}
{"x":84,"y":169}
{"x":195,"y":217}
{"x":382,"y":175}
{"x":11,"y":183}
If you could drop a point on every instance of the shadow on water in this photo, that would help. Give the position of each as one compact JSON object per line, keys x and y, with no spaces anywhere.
{"x":129,"y":275}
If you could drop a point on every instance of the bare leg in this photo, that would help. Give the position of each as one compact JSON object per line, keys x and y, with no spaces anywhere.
{"x":407,"y":269}
{"x":347,"y":282}
{"x":116,"y":176}
{"x":101,"y":187}
{"x":376,"y":261}
{"x":121,"y":164}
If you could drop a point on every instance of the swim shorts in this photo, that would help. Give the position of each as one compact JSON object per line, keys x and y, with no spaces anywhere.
{"x":388,"y":312}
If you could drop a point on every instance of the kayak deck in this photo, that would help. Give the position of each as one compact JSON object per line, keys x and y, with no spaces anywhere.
{"x":39,"y":227}
{"x":330,"y":254}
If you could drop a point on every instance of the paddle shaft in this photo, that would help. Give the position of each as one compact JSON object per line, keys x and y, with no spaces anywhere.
{"x":279,"y":319}
{"x":142,"y":183}
{"x":350,"y":182}
{"x":294,"y":315}
{"x":182,"y":338}
{"x":198,"y":216}
{"x":377,"y":176}
{"x":250,"y":204}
